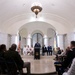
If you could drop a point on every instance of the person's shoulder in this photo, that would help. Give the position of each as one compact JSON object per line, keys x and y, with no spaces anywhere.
{"x":16,"y":52}
{"x":73,"y":49}
{"x":70,"y":51}
{"x":6,"y":51}
{"x":35,"y":43}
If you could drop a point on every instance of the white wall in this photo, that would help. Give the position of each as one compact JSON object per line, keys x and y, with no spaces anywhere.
{"x":51,"y":42}
{"x":60,"y":41}
{"x":64,"y":40}
{"x":70,"y":37}
{"x":7,"y":39}
{"x":4,"y":39}
{"x":13,"y":39}
{"x":23,"y":42}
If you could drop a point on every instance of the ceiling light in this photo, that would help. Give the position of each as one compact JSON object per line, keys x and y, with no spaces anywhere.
{"x":36,"y":8}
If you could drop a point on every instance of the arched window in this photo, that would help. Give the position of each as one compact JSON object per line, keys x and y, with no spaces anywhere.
{"x":37,"y":37}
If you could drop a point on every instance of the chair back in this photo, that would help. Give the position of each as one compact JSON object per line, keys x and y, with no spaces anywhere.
{"x":12,"y":66}
{"x":3,"y":66}
{"x":8,"y":66}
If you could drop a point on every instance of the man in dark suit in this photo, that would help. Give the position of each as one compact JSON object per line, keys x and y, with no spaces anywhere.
{"x":70,"y":55}
{"x":67,"y":62}
{"x":2,"y":50}
{"x":44,"y":49}
{"x":13,"y":54}
{"x":37,"y":45}
{"x":49,"y":51}
{"x":37,"y":50}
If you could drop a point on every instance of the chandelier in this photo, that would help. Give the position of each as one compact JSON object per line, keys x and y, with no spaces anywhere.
{"x":36,"y":8}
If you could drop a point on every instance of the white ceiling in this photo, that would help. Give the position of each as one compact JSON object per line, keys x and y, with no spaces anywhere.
{"x":58,"y":13}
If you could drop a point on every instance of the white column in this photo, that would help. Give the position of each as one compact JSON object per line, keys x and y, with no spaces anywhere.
{"x":45,"y":40}
{"x":70,"y":37}
{"x":29,"y":40}
{"x":4,"y":39}
{"x":55,"y":42}
{"x":23,"y":42}
{"x":9,"y":41}
{"x":51,"y":42}
{"x":13,"y":39}
{"x":60,"y":41}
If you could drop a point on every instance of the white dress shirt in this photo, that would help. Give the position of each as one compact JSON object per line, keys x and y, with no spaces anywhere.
{"x":24,"y":50}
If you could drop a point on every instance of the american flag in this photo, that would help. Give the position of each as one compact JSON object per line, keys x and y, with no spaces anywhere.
{"x":19,"y":44}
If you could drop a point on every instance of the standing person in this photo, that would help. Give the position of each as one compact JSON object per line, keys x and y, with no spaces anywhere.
{"x":49,"y":51}
{"x":37,"y":44}
{"x":37,"y":50}
{"x":44,"y":49}
{"x":13,"y":54}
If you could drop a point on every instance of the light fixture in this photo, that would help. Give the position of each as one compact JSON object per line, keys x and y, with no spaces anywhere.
{"x":36,"y":8}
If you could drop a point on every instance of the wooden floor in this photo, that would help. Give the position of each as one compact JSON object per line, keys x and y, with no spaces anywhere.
{"x":44,"y":66}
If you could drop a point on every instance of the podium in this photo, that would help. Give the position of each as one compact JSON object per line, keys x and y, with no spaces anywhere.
{"x":36,"y":52}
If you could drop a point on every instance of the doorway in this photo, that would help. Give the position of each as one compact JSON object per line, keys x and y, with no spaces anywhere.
{"x":37,"y":37}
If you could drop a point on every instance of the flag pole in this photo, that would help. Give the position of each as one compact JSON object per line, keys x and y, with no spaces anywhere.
{"x":19,"y":43}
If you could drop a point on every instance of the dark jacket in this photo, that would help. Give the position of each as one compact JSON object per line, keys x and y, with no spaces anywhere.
{"x":37,"y":45}
{"x":69,"y":58}
{"x":44,"y":49}
{"x":49,"y":48}
{"x":59,"y":52}
{"x":14,"y":55}
{"x":1,"y":54}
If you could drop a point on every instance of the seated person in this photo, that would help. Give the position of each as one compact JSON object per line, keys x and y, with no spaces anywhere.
{"x":25,"y":50}
{"x":58,"y":50}
{"x":12,"y":53}
{"x":28,"y":50}
{"x":2,"y":50}
{"x":64,"y":53}
{"x":67,"y":50}
{"x":71,"y":70}
{"x":31,"y":50}
{"x":58,"y":53}
{"x":68,"y":59}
